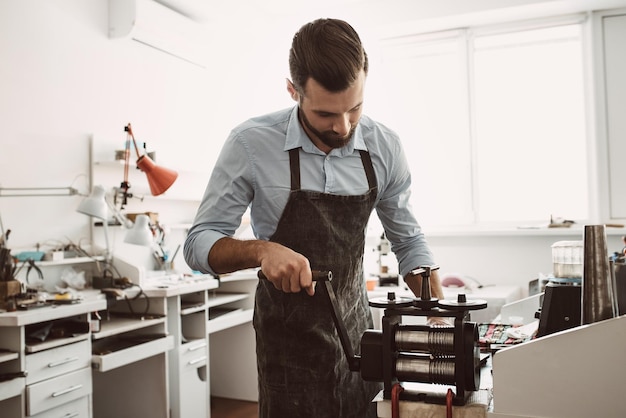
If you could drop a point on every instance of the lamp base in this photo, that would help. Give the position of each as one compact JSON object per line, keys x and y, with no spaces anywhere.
{"x":102,"y":282}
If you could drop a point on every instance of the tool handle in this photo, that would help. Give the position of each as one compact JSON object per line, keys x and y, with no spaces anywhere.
{"x":318,"y":275}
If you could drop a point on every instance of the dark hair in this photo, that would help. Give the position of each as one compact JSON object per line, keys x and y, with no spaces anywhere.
{"x":329,"y":51}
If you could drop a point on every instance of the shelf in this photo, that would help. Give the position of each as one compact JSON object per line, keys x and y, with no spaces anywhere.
{"x":66,"y":261}
{"x":222,"y":298}
{"x":522,"y":231}
{"x":131,"y":353}
{"x":54,"y":342}
{"x":11,"y":388}
{"x":192,"y":307}
{"x":229,"y":320}
{"x":8,"y":356}
{"x":115,"y":326}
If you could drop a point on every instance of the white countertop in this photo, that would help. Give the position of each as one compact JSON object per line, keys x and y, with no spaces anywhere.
{"x":91,"y":302}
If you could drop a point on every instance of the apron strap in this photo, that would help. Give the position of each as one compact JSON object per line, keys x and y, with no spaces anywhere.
{"x":369,"y":169}
{"x":294,"y":167}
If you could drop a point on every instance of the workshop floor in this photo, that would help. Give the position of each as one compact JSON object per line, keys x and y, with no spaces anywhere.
{"x":231,"y":408}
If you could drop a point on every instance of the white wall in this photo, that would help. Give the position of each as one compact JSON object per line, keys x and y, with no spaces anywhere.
{"x":62,"y":80}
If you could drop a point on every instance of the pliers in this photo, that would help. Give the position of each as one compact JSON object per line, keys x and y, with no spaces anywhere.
{"x":32,"y":265}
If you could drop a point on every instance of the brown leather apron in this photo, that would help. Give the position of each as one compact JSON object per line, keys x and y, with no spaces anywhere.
{"x":302,"y":368}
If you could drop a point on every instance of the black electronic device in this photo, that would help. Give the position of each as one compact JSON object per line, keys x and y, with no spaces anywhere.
{"x":561,"y":306}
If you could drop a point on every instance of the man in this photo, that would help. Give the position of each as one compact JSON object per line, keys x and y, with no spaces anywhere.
{"x":311,"y":176}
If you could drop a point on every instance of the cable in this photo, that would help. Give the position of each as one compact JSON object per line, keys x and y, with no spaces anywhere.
{"x":449,"y":397}
{"x":137,"y":296}
{"x":396,"y":390}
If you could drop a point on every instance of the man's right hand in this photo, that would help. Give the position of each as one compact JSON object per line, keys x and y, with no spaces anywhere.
{"x":288,"y":270}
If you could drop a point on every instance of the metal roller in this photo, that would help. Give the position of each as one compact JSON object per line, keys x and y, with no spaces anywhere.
{"x":424,"y":339}
{"x":417,"y":368}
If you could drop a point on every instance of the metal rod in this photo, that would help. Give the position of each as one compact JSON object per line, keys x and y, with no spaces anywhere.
{"x":37,"y":191}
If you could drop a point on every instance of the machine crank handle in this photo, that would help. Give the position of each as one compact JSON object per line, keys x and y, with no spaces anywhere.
{"x":425,"y":271}
{"x":354,"y":361}
{"x":318,"y":275}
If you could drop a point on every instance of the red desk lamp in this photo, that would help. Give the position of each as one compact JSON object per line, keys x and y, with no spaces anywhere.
{"x":159,"y":178}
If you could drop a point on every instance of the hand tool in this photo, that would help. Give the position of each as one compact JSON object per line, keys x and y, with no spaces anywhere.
{"x":31,"y":266}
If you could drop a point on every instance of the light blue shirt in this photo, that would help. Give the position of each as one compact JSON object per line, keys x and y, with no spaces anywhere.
{"x":253,"y":171}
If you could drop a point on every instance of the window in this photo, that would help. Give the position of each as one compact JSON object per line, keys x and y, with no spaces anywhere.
{"x":492,"y":121}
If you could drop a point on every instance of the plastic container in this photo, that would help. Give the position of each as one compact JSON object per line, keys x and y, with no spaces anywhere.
{"x":567,"y":259}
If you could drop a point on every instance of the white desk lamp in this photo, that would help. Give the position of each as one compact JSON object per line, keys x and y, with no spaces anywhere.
{"x":140,"y":233}
{"x":95,"y":205}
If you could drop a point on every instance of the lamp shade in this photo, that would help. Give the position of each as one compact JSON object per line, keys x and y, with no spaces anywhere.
{"x":159,"y":178}
{"x":140,"y":233}
{"x":95,"y":204}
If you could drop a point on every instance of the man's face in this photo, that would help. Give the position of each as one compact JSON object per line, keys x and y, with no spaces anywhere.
{"x":328,"y":118}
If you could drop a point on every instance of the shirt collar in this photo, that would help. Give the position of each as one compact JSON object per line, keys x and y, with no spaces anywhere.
{"x":296,"y":138}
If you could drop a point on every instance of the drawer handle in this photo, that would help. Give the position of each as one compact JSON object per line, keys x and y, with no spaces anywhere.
{"x":71,"y":415}
{"x":196,"y":361}
{"x":197,"y":347}
{"x":62,"y":362}
{"x":66,"y":391}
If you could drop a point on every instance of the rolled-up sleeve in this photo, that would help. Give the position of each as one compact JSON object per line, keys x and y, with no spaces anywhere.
{"x":396,"y":215}
{"x":225,"y":200}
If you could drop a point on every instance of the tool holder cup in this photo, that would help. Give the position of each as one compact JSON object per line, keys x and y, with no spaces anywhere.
{"x":599,"y":293}
{"x":9,"y":287}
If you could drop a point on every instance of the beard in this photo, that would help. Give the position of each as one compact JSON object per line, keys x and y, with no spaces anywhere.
{"x":329,"y":138}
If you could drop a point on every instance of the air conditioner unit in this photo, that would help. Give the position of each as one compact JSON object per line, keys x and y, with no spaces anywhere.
{"x":157,"y":26}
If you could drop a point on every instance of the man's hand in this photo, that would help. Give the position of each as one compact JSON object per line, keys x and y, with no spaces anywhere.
{"x":439,"y":321}
{"x":288,"y":270}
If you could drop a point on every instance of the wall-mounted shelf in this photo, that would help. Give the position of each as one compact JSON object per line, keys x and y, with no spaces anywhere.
{"x":69,"y":261}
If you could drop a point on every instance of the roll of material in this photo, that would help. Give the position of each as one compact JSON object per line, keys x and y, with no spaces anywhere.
{"x":598,"y":293}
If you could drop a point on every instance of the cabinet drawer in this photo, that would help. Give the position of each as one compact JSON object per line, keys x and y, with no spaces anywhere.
{"x":106,"y":362}
{"x":57,"y":361}
{"x":193,"y":354}
{"x":55,"y":392}
{"x":75,"y":409}
{"x":11,"y":388}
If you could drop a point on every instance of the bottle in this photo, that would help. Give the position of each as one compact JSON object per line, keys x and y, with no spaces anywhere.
{"x":94,"y":322}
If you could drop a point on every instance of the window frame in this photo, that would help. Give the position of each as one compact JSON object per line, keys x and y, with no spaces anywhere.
{"x":466,"y":36}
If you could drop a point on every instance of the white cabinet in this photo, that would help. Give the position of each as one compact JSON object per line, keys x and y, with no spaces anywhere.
{"x":188,"y":362}
{"x":232,"y":338}
{"x":11,"y":387}
{"x":52,"y":346}
{"x":129,"y":358}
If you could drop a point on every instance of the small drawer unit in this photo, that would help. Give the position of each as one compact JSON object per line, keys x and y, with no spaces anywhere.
{"x":54,"y":362}
{"x":49,"y":347}
{"x":58,"y":361}
{"x":193,"y":354}
{"x":57,"y":391}
{"x":79,"y":408}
